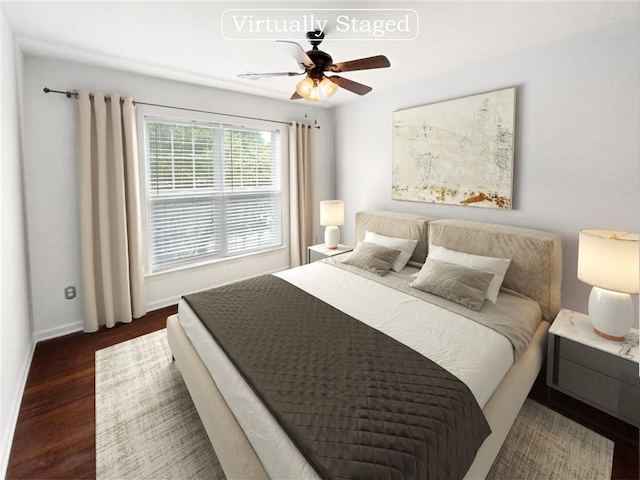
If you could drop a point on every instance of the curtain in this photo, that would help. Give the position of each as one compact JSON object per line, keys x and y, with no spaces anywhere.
{"x":302,"y":147}
{"x":109,"y":208}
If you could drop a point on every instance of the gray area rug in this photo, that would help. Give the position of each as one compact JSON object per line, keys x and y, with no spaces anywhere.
{"x":542,"y":444}
{"x":147,"y":427}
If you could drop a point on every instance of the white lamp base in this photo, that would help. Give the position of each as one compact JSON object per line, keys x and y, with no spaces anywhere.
{"x":331,"y":237}
{"x":611,"y":313}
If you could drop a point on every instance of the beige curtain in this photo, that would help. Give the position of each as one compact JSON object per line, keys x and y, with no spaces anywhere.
{"x":109,"y":204}
{"x":302,"y":147}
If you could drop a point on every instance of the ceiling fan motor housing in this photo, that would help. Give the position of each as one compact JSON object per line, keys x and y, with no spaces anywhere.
{"x":322,"y":61}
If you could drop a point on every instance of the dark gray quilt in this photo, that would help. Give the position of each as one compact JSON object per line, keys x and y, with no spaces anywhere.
{"x":357,"y":403}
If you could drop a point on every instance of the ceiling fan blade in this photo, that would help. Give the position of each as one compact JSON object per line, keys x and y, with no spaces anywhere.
{"x":350,"y":85}
{"x":295,"y":96}
{"x":379,"y":61}
{"x":255,"y":76}
{"x":298,"y":54}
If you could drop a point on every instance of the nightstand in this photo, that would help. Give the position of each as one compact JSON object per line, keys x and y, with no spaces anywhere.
{"x":320,"y":251}
{"x":599,"y":372}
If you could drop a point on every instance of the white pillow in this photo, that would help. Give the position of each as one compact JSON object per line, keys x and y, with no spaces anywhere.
{"x":497,"y":266}
{"x":405,"y":246}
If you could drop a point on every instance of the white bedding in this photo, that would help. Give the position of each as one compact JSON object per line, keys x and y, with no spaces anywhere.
{"x":477,"y":355}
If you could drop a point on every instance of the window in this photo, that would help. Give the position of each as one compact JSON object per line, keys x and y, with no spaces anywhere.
{"x":213,"y":191}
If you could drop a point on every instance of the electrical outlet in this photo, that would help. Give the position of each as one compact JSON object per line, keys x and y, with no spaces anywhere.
{"x":70,"y":293}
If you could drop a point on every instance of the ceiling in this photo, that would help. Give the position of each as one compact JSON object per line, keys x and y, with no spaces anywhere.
{"x":185,"y":41}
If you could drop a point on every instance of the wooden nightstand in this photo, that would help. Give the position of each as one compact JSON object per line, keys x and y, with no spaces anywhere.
{"x":599,"y":372}
{"x":320,"y":251}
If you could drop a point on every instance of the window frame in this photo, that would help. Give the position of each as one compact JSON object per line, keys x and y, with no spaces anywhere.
{"x":144,"y":112}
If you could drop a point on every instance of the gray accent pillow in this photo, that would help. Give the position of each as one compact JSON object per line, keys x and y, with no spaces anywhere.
{"x":457,"y":283}
{"x":374,"y":258}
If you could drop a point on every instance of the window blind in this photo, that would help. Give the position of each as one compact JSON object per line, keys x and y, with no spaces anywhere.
{"x":213,"y":191}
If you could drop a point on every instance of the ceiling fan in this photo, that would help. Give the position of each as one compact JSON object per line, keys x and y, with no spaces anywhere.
{"x":315,"y":63}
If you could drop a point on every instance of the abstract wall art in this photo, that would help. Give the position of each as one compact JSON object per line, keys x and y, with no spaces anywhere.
{"x":457,"y":152}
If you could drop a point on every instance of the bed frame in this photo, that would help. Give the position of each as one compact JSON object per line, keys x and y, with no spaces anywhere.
{"x":536,"y":271}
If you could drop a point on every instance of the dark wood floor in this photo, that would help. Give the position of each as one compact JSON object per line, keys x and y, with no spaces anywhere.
{"x":56,"y":429}
{"x":55,"y":433}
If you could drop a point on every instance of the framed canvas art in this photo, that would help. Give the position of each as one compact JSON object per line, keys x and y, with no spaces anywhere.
{"x":457,"y":152}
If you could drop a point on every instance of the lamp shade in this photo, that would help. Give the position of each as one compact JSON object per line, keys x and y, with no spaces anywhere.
{"x":328,"y":87}
{"x":331,"y":213}
{"x":305,"y":87}
{"x":609,"y":259}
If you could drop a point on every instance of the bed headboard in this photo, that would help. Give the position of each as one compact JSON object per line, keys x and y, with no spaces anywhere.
{"x":536,"y":256}
{"x":401,"y":225}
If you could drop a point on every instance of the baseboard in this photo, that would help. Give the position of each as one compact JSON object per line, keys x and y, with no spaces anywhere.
{"x":151,"y":306}
{"x":157,"y":305}
{"x":56,"y":332}
{"x":7,"y":439}
{"x":167,"y":302}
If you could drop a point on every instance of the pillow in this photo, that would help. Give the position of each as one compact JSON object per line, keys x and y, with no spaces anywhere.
{"x":457,"y":283}
{"x":497,"y":266}
{"x":405,"y":246}
{"x":374,"y":258}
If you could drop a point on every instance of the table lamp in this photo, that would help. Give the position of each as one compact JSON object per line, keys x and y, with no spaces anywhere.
{"x":331,"y":216}
{"x":608,"y":260}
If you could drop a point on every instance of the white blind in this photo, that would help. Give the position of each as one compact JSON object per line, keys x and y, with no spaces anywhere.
{"x":213,"y":191}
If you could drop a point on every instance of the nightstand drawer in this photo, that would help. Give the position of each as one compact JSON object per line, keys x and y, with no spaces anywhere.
{"x":602,"y":362}
{"x":600,"y":372}
{"x":603,"y":390}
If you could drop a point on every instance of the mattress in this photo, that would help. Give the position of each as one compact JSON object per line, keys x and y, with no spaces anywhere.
{"x":477,"y":355}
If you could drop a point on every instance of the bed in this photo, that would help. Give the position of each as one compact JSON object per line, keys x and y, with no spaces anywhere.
{"x":251,"y":443}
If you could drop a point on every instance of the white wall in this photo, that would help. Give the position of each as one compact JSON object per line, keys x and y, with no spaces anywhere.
{"x":16,"y":344}
{"x":51,"y":181}
{"x":577,"y":141}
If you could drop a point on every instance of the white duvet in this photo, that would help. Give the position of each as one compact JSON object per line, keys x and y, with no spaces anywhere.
{"x":477,"y":355}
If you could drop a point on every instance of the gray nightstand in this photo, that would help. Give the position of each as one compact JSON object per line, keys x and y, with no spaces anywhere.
{"x":599,"y":372}
{"x":320,"y":251}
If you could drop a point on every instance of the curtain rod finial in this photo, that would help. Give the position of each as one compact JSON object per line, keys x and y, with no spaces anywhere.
{"x":46,"y":90}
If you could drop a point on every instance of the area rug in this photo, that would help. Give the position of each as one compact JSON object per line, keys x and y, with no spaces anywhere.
{"x":147,"y":427}
{"x":542,"y":444}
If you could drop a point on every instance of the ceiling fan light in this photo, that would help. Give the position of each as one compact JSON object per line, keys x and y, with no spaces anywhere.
{"x":328,"y":87}
{"x":314,"y":95}
{"x":305,"y":87}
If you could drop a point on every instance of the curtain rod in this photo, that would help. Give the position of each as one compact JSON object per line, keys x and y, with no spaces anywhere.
{"x":107,"y":98}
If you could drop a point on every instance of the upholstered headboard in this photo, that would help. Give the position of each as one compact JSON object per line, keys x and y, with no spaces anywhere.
{"x":401,"y":225}
{"x":536,"y":256}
